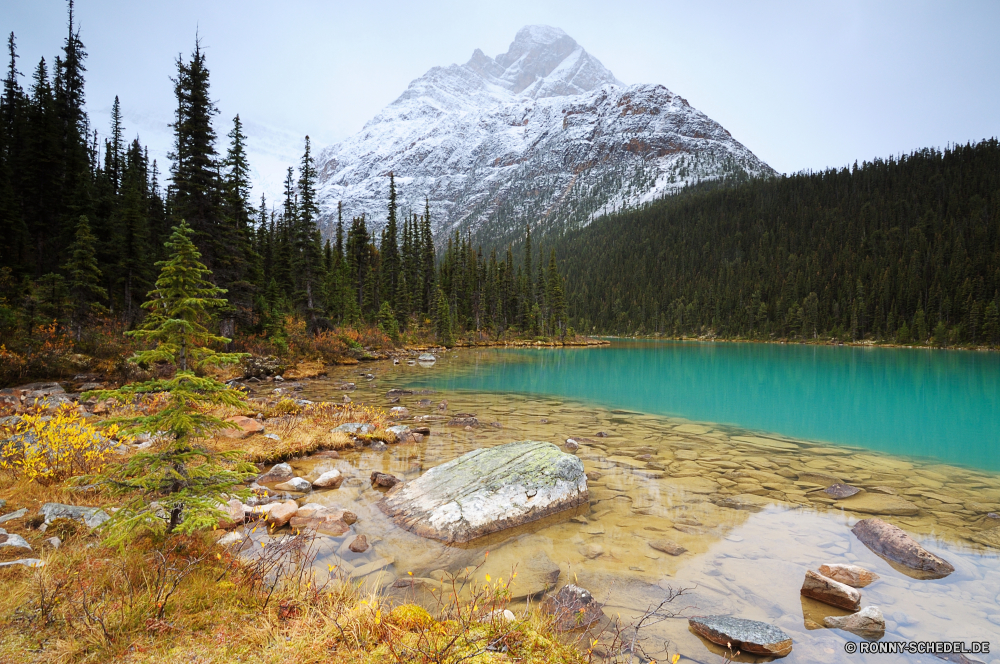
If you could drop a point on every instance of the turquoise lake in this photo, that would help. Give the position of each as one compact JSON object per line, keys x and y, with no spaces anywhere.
{"x":913,"y":402}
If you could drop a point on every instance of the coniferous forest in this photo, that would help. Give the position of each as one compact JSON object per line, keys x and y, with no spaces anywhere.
{"x":84,"y":214}
{"x":903,"y":250}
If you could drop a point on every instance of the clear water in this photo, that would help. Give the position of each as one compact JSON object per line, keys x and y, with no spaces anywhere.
{"x":912,"y":402}
{"x":654,"y":475}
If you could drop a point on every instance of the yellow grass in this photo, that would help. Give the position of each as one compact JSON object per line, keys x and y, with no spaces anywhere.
{"x":90,"y":603}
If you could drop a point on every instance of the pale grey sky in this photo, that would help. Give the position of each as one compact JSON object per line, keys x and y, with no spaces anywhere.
{"x":802,"y":84}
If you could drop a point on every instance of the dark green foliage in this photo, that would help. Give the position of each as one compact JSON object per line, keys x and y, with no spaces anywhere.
{"x":179,"y":309}
{"x":890,"y":249}
{"x":84,"y":277}
{"x":188,"y":481}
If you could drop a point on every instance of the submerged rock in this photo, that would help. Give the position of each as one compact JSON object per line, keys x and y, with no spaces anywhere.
{"x":488,"y":490}
{"x":879,"y":503}
{"x":463,"y":420}
{"x":573,"y":608}
{"x":384,"y":479}
{"x":747,"y":501}
{"x":830,"y":592}
{"x":867,"y":623}
{"x":668,"y":547}
{"x":852,"y":575}
{"x":892,"y":543}
{"x":748,"y":636}
{"x":359,"y":544}
{"x":841,"y":491}
{"x":990,"y":537}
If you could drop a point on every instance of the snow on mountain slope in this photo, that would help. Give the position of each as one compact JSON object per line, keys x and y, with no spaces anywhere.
{"x":543,"y":134}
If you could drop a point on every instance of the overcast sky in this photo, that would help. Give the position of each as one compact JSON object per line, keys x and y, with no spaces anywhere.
{"x":801,"y":84}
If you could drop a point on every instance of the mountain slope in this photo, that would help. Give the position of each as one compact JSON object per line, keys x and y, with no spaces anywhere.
{"x":542,"y":134}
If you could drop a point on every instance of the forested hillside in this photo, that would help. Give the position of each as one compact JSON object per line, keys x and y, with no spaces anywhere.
{"x":904,"y":250}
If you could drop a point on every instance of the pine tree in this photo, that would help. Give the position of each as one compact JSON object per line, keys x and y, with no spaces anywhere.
{"x":84,"y":278}
{"x":442,"y":320}
{"x":308,"y":252}
{"x":196,"y":190}
{"x":188,"y":481}
{"x":389,"y":249}
{"x":427,"y":258}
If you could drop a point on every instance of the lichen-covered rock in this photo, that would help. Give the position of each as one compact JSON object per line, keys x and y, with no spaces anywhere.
{"x":852,"y":575}
{"x":399,"y":411}
{"x":90,"y":516}
{"x":488,"y":490}
{"x":403,"y":434}
{"x":14,"y":541}
{"x":892,"y":543}
{"x":747,"y":636}
{"x":830,"y":592}
{"x":868,"y":622}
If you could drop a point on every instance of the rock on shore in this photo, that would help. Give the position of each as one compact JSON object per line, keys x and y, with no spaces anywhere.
{"x":894,"y":544}
{"x":489,"y":490}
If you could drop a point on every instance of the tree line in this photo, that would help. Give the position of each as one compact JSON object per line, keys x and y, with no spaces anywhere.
{"x":905,"y":250}
{"x":85,"y":218}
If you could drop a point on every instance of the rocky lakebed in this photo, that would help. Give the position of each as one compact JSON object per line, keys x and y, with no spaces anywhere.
{"x":782,"y":547}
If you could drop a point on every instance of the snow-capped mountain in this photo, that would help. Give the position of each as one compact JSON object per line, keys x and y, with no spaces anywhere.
{"x":543,"y":134}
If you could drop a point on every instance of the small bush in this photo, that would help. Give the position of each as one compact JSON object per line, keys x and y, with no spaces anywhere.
{"x":50,"y":449}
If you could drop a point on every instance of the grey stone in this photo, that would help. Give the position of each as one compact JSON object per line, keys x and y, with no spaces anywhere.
{"x":27,"y":562}
{"x":868,"y":623}
{"x":354,"y":428}
{"x":295,"y":484}
{"x":53,"y":542}
{"x":17,"y":514}
{"x":426,"y":357}
{"x":488,"y":490}
{"x":399,"y":411}
{"x":92,"y":517}
{"x":15,"y":541}
{"x":747,"y":636}
{"x":894,"y":544}
{"x":278,"y":473}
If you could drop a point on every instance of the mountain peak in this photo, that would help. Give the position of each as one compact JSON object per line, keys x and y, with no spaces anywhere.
{"x":543,"y":61}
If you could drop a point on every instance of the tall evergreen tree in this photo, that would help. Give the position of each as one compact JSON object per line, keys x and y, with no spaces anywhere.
{"x":84,"y":278}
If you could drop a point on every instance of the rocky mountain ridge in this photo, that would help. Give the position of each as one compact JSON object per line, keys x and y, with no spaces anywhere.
{"x":543,"y":134}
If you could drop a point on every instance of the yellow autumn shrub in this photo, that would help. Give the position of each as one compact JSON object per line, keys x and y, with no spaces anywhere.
{"x":50,"y":448}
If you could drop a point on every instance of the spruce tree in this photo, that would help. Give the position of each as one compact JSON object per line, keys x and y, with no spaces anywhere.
{"x":389,"y":249}
{"x":307,"y":251}
{"x":84,"y":278}
{"x":196,"y":190}
{"x":442,"y":320}
{"x":187,"y":481}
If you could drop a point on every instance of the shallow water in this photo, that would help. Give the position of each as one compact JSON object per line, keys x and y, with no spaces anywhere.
{"x":919,"y":402}
{"x":737,"y":562}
